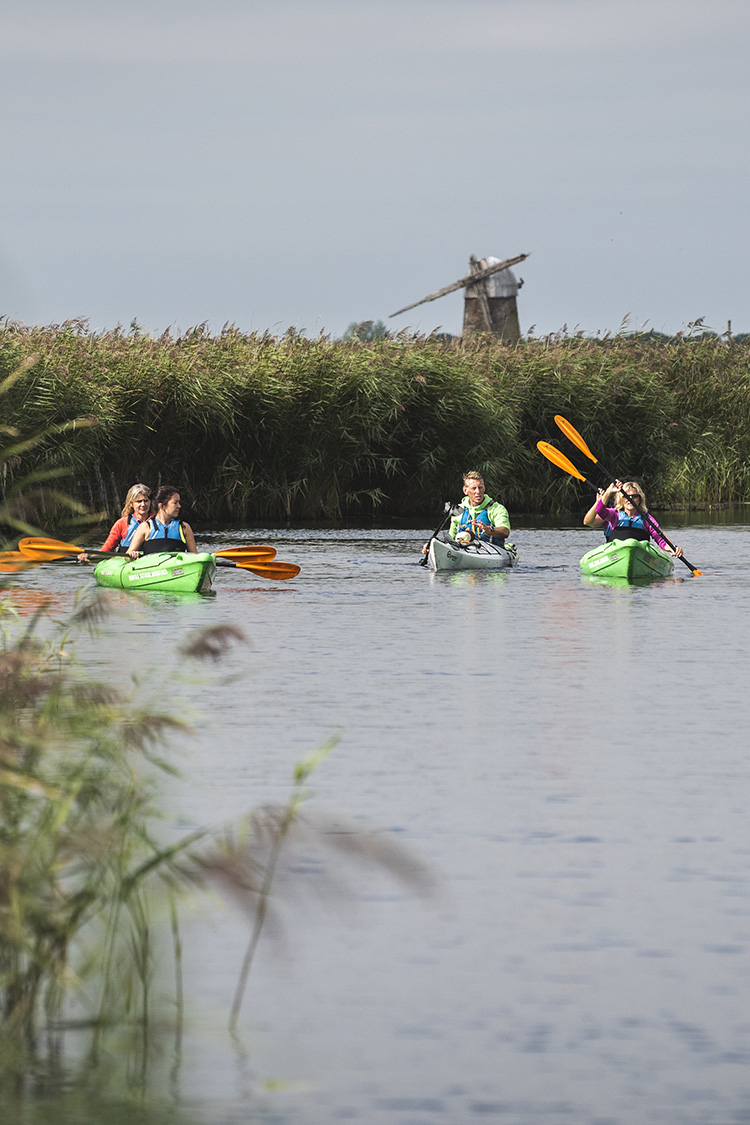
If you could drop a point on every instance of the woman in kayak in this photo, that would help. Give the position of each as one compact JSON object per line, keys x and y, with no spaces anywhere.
{"x":626,"y":520}
{"x":164,"y":531}
{"x":136,"y":509}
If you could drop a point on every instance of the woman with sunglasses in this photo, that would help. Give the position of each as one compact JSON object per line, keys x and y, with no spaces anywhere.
{"x":629,"y":519}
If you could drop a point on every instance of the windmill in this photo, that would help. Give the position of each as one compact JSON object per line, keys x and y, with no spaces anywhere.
{"x":490,"y":298}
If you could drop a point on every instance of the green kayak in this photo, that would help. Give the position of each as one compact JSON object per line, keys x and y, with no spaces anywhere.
{"x":183,"y":573}
{"x":627,"y":558}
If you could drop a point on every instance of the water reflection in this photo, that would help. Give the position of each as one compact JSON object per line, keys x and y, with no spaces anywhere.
{"x":642,"y":583}
{"x":470,"y":577}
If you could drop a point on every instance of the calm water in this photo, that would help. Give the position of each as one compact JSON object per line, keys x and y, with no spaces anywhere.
{"x":570,"y":760}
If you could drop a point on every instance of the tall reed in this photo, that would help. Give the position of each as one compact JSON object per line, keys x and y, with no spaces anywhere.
{"x":262,"y":427}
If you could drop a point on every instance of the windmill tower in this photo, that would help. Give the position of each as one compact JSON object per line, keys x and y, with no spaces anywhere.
{"x":489,"y":299}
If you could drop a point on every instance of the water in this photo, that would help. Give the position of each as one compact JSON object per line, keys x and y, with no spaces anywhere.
{"x":570,"y":762}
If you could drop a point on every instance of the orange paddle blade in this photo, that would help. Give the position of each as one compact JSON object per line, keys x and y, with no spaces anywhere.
{"x":35,"y":547}
{"x":572,"y":434}
{"x":247,"y":554}
{"x":277,"y":570}
{"x":558,"y":458}
{"x":13,"y":561}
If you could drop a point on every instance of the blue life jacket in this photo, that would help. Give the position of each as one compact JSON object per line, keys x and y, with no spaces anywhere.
{"x":464,"y":524}
{"x":628,"y":527}
{"x":164,"y":537}
{"x":133,"y":525}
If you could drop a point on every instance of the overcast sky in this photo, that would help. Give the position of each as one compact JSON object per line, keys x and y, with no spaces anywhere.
{"x":274,"y":163}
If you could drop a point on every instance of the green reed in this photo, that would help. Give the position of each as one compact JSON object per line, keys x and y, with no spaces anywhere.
{"x":262,"y":427}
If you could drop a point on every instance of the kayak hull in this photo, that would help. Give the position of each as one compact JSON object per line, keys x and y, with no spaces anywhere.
{"x":477,"y":556}
{"x":181,"y":573}
{"x":627,"y":558}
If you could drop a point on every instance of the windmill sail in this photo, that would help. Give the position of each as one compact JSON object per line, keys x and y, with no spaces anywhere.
{"x":470,"y":279}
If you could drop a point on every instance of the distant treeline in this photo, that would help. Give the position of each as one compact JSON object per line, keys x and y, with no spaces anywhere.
{"x":256,"y":427}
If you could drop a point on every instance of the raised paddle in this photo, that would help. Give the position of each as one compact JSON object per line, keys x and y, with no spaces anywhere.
{"x":562,"y":462}
{"x":448,"y":508}
{"x":572,"y":434}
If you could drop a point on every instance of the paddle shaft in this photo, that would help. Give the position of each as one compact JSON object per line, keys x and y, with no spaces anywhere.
{"x":436,"y":532}
{"x":645,"y":516}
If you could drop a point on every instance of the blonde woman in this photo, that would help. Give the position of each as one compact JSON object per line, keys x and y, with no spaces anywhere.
{"x":135,"y":511}
{"x":626,"y":519}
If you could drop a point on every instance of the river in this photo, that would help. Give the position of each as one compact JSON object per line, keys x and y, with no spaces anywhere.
{"x":569,"y":763}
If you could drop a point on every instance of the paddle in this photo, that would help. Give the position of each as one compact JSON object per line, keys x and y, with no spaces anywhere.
{"x":257,"y":559}
{"x":245,"y":554}
{"x":448,"y":508}
{"x":39,"y":549}
{"x":277,"y":570}
{"x":562,"y":462}
{"x":13,"y":561}
{"x":572,"y":434}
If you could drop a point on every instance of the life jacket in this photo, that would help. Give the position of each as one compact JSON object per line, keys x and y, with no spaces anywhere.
{"x":465,"y":523}
{"x":133,"y":525}
{"x":164,"y":537}
{"x":628,"y":527}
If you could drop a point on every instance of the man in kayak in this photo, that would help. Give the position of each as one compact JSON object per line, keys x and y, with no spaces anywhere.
{"x":479,"y":517}
{"x":625,"y":520}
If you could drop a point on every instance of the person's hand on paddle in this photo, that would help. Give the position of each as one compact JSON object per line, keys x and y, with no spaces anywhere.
{"x":677,"y":553}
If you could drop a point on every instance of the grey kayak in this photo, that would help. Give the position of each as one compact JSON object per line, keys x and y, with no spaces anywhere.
{"x":475,"y":556}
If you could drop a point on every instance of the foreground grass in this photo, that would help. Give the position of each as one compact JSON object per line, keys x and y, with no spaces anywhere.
{"x":92,"y":886}
{"x":258,"y":427}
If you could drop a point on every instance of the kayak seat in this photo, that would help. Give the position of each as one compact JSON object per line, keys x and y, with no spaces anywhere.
{"x":638,"y":533}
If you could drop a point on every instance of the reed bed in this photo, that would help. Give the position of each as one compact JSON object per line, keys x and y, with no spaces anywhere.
{"x":257,"y":427}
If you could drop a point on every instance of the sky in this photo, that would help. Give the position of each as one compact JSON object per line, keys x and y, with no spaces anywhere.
{"x":278,"y":163}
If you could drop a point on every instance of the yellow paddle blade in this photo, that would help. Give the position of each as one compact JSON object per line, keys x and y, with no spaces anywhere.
{"x":558,"y":458}
{"x":572,"y":433}
{"x":35,"y":547}
{"x":13,"y":561}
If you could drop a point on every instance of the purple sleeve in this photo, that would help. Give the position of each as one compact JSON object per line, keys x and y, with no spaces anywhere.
{"x":654,"y":531}
{"x":608,"y":515}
